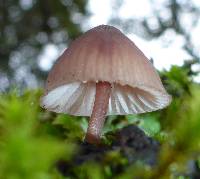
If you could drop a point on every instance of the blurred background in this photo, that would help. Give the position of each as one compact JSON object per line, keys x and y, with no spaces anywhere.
{"x":34,"y":33}
{"x":37,"y":144}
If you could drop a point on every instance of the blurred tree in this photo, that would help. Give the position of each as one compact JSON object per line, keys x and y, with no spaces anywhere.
{"x":179,"y":16}
{"x":26,"y":26}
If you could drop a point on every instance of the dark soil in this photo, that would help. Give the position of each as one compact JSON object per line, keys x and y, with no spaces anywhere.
{"x":131,"y":142}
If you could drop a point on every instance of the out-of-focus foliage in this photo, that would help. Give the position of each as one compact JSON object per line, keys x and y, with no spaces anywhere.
{"x":29,"y":146}
{"x":167,"y":16}
{"x":32,"y":140}
{"x":27,"y":26}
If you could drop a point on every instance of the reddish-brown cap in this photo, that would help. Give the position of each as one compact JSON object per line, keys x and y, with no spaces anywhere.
{"x":104,"y":53}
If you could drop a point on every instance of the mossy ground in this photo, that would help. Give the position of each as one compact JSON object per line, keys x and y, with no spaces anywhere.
{"x":38,"y":144}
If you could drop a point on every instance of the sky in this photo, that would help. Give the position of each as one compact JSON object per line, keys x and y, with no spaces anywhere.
{"x":164,"y":55}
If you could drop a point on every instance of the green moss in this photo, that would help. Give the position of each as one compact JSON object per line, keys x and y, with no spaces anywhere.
{"x":33,"y":140}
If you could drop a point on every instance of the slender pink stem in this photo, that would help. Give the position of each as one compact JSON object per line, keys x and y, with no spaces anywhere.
{"x":97,"y":119}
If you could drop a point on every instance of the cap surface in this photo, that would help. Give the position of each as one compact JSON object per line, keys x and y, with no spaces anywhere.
{"x":104,"y":54}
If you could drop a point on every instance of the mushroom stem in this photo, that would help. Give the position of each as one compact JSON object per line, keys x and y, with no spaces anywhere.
{"x":97,"y":119}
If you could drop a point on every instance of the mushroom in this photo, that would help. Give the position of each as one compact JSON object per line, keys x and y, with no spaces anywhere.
{"x":103,"y":73}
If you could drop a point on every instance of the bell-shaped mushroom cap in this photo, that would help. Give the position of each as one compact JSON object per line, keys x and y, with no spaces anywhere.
{"x":104,"y":53}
